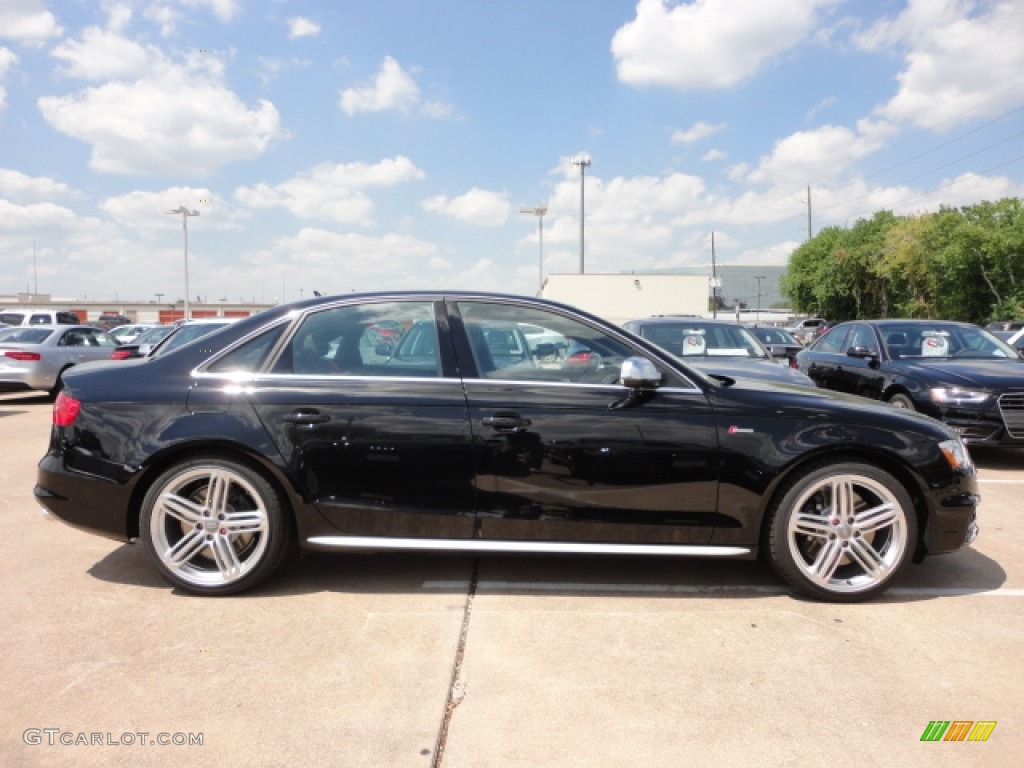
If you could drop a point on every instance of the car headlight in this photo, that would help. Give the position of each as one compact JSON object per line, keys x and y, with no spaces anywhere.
{"x":957,"y":455}
{"x":958,"y":396}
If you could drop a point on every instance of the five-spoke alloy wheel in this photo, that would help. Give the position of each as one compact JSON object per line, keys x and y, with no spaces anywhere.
{"x":214,"y":526}
{"x":842,"y":531}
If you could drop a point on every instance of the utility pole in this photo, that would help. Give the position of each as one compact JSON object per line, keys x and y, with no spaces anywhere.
{"x":809,"y":234}
{"x":714,"y":280}
{"x":583,"y":163}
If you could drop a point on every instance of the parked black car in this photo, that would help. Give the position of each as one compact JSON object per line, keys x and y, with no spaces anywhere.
{"x":718,"y":347}
{"x":779,"y":342}
{"x":956,"y":372}
{"x":296,"y":427}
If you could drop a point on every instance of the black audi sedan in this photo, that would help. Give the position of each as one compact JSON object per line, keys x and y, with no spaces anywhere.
{"x":302,"y":427}
{"x":955,"y":372}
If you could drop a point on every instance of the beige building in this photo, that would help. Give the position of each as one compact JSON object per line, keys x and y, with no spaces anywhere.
{"x":89,"y":310}
{"x":622,"y":297}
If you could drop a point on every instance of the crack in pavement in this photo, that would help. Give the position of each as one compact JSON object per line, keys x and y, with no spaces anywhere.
{"x":457,"y":686}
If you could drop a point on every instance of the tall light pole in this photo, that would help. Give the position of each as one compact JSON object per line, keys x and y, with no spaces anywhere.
{"x":185,"y":213}
{"x":583,"y":163}
{"x":759,"y":278}
{"x":538,"y":211}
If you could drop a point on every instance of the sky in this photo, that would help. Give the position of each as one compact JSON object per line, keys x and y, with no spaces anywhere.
{"x":344,"y":145}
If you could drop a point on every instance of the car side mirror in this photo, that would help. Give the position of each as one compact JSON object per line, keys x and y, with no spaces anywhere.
{"x":639,"y":373}
{"x":383,"y":350}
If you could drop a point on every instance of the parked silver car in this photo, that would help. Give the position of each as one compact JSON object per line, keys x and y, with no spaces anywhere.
{"x":36,"y":356}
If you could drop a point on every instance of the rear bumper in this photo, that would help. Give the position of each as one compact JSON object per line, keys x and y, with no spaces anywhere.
{"x":92,"y":503}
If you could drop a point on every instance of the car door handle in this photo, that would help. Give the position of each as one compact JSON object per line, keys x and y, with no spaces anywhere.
{"x":505,"y":421}
{"x":306,"y":417}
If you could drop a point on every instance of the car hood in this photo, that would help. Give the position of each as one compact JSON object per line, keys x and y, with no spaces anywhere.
{"x":764,"y":370}
{"x":1001,"y":373}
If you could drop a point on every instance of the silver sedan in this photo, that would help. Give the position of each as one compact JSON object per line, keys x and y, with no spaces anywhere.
{"x":36,"y":356}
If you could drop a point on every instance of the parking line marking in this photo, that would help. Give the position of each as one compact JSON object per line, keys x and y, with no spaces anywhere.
{"x":690,"y":589}
{"x":1001,"y":482}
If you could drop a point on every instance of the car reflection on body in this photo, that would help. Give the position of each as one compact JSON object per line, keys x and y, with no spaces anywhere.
{"x":952,"y":371}
{"x":297,"y":427}
{"x":717,"y":347}
{"x":38,"y":356}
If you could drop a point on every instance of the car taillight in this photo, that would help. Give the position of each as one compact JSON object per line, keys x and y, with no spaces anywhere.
{"x":793,"y":363}
{"x":580,"y":358}
{"x":23,"y":356}
{"x":120,"y":354}
{"x":65,"y":410}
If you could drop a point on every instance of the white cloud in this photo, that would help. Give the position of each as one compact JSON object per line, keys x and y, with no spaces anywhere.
{"x":708,"y":43}
{"x":15,"y":186}
{"x":8,"y":59}
{"x":332,"y":191}
{"x":168,"y":13}
{"x":696,"y":132}
{"x":27,"y":22}
{"x":392,"y":89}
{"x":480,"y":207}
{"x":104,"y":55}
{"x":821,"y":155}
{"x":338,"y":262}
{"x":271,"y":67}
{"x":302,"y":27}
{"x":146,"y":212}
{"x":713,"y":154}
{"x":163,"y":117}
{"x":960,"y":57}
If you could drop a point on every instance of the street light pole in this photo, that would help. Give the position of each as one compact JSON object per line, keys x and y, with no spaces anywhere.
{"x":583,"y":163}
{"x":538,"y":211}
{"x":759,"y":278}
{"x":185,"y":213}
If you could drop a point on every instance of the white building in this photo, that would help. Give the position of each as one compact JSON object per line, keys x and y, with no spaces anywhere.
{"x":623,"y":297}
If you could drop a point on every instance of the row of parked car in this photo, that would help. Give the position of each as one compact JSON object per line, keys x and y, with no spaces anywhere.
{"x":35,"y":356}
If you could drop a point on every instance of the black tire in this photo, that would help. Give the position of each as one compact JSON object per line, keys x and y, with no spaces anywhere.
{"x":843,"y":554}
{"x":899,"y":400}
{"x":58,"y":385}
{"x":218,"y":542}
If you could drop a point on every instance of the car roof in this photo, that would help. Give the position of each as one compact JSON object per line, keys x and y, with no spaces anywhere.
{"x":685,"y":320}
{"x":882,"y":322}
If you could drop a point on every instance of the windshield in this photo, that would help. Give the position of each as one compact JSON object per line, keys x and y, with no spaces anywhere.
{"x":775,"y":336}
{"x":696,"y":339}
{"x":186,"y":334}
{"x":942,"y":340}
{"x":24,"y":335}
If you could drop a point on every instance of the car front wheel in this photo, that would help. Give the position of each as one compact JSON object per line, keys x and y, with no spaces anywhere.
{"x":841,"y":532}
{"x":214,"y":526}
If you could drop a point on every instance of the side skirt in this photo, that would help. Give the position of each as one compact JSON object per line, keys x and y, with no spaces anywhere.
{"x":331,"y":543}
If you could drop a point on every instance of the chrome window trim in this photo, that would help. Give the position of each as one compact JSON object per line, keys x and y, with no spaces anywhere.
{"x":257,"y":378}
{"x":552,"y":547}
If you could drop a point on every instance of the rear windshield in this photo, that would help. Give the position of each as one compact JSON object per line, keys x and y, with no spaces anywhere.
{"x":24,"y":335}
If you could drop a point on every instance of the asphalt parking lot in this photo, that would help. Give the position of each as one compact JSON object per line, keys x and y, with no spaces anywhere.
{"x":418,"y":660}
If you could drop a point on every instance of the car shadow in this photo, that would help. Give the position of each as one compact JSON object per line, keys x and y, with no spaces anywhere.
{"x":961,"y":573}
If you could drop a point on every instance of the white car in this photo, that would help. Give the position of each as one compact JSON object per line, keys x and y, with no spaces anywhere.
{"x":126,"y":334}
{"x":37,"y":317}
{"x":36,"y":356}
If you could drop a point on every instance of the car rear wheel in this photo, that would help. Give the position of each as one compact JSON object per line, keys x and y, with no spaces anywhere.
{"x":902,"y":401}
{"x":841,"y":532}
{"x":214,"y":526}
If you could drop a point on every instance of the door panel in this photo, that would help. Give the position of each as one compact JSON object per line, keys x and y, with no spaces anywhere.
{"x":562,"y":455}
{"x":381,"y":449}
